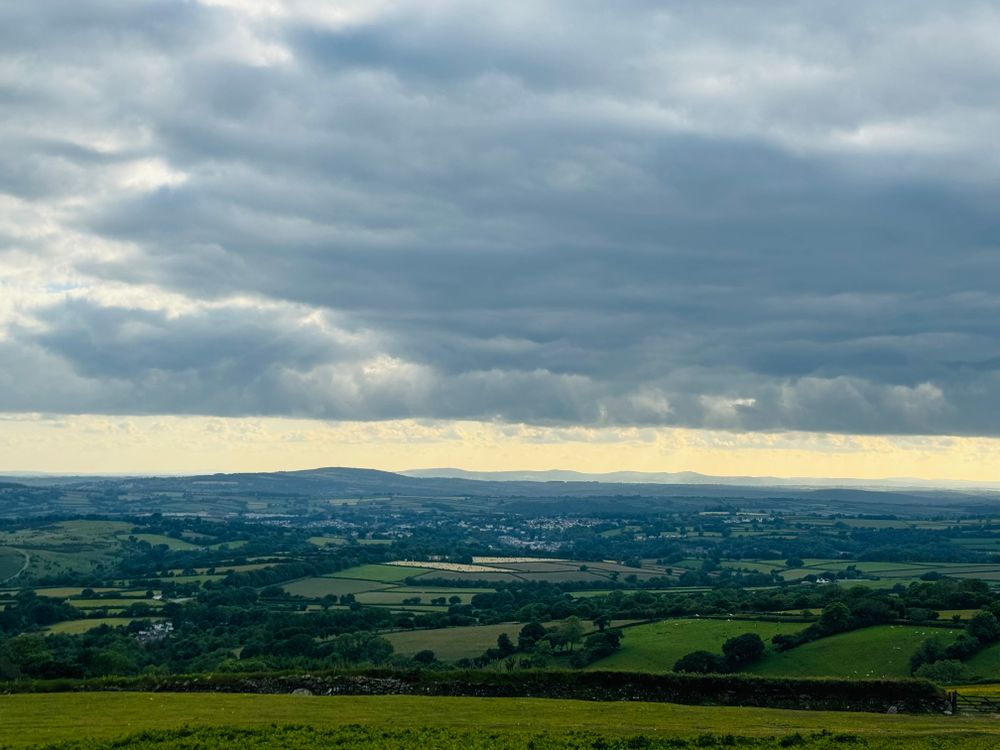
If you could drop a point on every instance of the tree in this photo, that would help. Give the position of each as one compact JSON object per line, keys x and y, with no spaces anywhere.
{"x":505,"y":645}
{"x":836,"y":618}
{"x":425,"y":657}
{"x":928,"y":652}
{"x":601,"y":622}
{"x":742,"y":650}
{"x":530,"y":634}
{"x":571,"y":631}
{"x":541,"y":654}
{"x":946,"y":671}
{"x":984,"y":627}
{"x":963,"y":647}
{"x":702,"y":662}
{"x":598,"y":645}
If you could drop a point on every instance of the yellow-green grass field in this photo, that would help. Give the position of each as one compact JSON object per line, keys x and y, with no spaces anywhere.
{"x":61,"y":592}
{"x":451,"y":644}
{"x":657,"y":646}
{"x":170,"y":542}
{"x":75,"y":627}
{"x":34,"y":719}
{"x":116,"y":602}
{"x":882,"y":651}
{"x":963,"y":614}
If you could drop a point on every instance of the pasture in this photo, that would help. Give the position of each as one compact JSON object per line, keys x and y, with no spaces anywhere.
{"x":882,"y":651}
{"x":986,"y":664}
{"x":656,"y":646}
{"x":451,"y":644}
{"x":317,"y":588}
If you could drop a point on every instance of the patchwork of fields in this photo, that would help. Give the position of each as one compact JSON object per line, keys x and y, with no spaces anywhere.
{"x":397,"y":585}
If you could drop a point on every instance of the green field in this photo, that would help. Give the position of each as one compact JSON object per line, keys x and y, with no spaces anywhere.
{"x":317,"y":588}
{"x":450,"y":644}
{"x":880,"y":651}
{"x":380,"y":573}
{"x":11,"y":562}
{"x":61,"y":547}
{"x":42,"y":718}
{"x":61,"y":592}
{"x":986,"y":664}
{"x":327,"y":541}
{"x":657,"y":646}
{"x":174,"y":544}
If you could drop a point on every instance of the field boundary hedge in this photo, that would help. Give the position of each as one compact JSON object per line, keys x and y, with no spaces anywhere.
{"x":905,"y":696}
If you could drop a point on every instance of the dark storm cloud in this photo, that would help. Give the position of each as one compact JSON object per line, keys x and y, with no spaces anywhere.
{"x":695,"y":214}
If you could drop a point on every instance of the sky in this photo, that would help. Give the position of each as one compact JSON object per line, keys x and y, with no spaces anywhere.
{"x":727,"y":237}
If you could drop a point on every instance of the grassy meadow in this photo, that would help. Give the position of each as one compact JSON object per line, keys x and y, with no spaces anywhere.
{"x":655,"y":647}
{"x":876,"y":652}
{"x":356,"y":737}
{"x":35,"y":719}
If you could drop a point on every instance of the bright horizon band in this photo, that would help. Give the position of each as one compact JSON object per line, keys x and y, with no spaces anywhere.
{"x":171,"y":444}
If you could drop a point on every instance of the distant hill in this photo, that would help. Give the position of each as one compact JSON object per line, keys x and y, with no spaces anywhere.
{"x":316,"y":491}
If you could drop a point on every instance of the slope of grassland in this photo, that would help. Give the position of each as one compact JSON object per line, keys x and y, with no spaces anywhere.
{"x":657,"y":646}
{"x":985,"y":664}
{"x":33,"y":719}
{"x":877,"y":652}
{"x":12,"y":562}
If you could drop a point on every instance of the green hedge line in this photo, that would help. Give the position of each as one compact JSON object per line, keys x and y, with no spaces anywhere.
{"x":910,"y":696}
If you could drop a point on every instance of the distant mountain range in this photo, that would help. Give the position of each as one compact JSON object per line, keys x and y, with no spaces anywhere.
{"x":694,"y":478}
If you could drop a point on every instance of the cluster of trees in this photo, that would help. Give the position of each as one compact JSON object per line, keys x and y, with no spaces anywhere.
{"x":29,"y":611}
{"x":537,"y":645}
{"x":737,"y":653}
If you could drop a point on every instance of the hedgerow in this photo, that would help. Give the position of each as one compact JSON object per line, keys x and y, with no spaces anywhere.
{"x":914,"y":696}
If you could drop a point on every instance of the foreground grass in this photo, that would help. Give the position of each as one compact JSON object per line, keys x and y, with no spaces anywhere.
{"x":362,"y":738}
{"x":32,"y":719}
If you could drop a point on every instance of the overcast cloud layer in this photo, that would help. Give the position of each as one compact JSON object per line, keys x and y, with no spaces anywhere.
{"x":708,"y":214}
